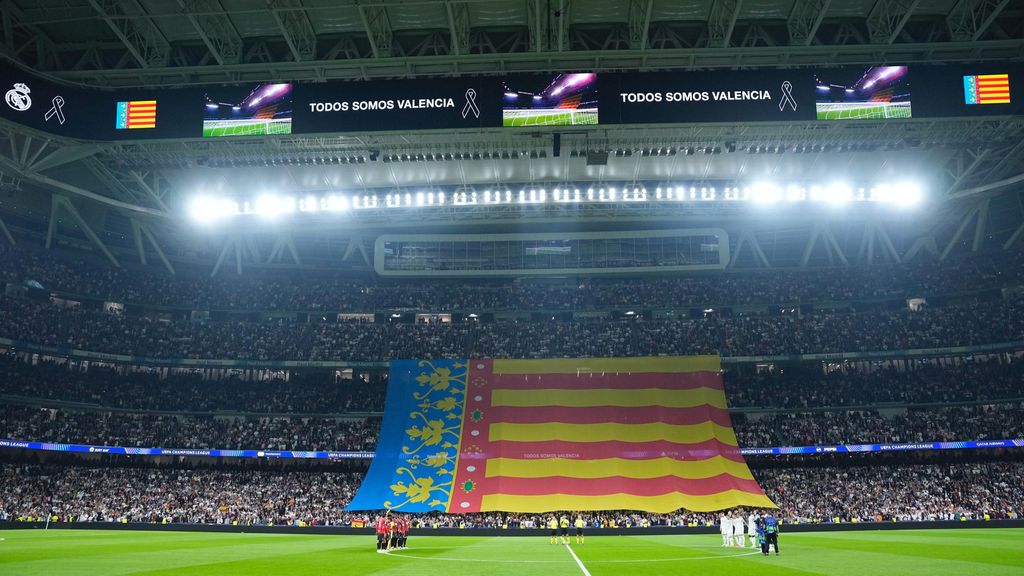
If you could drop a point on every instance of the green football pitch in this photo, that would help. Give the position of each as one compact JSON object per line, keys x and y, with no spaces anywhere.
{"x":549,"y":117}
{"x":221,"y":128}
{"x":991,"y":552}
{"x":863,"y":110}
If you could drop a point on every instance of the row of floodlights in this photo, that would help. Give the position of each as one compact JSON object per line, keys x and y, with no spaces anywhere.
{"x":209,"y":208}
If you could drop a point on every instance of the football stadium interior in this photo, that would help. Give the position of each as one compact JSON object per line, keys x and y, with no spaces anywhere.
{"x":512,"y":287}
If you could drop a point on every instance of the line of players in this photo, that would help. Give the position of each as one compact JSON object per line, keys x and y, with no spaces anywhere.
{"x":561,"y":525}
{"x":762,"y":530}
{"x":392,"y":533}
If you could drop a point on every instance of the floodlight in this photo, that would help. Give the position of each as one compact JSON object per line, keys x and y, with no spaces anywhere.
{"x":765,"y":192}
{"x":268,"y":206}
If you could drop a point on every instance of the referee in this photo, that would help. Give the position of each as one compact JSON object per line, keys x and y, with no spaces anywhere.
{"x":771,"y":533}
{"x":553,"y":525}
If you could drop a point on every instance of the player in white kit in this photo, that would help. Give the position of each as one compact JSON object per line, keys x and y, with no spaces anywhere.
{"x":737,"y":530}
{"x":725,"y":524}
{"x":752,"y":529}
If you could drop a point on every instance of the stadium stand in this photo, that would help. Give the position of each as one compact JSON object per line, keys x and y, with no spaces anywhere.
{"x":965,"y":324}
{"x":81,"y":493}
{"x":255,"y":258}
{"x":89,"y":278}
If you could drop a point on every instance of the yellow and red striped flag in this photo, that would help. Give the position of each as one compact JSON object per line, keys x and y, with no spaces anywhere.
{"x":135,"y":114}
{"x":987,"y":89}
{"x":649,"y":434}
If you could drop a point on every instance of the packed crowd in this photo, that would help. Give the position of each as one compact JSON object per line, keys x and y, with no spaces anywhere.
{"x":921,"y":492}
{"x":186,"y":431}
{"x":181,"y":495}
{"x":318,"y":392}
{"x":337,"y":291}
{"x":148,"y":430}
{"x":866,"y":493}
{"x":870,"y":427}
{"x":805,"y":386}
{"x":965,"y":324}
{"x":314,"y":392}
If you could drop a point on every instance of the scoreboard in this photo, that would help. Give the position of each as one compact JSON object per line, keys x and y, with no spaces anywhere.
{"x":585,"y":99}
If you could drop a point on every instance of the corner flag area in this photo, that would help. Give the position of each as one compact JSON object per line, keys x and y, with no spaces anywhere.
{"x":993,"y":552}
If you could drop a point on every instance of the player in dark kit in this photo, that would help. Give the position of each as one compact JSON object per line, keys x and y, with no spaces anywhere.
{"x":382,"y":533}
{"x":771,"y":534}
{"x":393,"y":534}
{"x":403,"y":531}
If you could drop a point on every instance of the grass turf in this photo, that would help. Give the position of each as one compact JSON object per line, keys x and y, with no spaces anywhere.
{"x":992,"y":552}
{"x":866,"y":111}
{"x":549,"y":118}
{"x":218,"y":129}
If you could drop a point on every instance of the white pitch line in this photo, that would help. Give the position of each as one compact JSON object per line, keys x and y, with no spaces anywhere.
{"x":577,"y":559}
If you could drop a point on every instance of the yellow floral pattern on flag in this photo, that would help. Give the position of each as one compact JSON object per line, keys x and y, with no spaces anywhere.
{"x":428,"y":455}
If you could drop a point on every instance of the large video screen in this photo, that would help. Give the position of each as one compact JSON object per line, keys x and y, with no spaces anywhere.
{"x":562,"y":100}
{"x":265,"y":109}
{"x":876,"y":93}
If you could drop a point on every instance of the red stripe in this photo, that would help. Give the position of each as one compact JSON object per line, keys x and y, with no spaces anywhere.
{"x":670,"y":381}
{"x":602,"y":414}
{"x":608,"y":449}
{"x":618,"y":485}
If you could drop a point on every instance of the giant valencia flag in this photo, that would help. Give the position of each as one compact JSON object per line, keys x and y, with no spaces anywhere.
{"x":649,"y":434}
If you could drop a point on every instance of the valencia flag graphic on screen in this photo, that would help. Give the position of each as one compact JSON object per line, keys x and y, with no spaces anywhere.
{"x":650,"y":434}
{"x":136,"y":114}
{"x":987,"y":89}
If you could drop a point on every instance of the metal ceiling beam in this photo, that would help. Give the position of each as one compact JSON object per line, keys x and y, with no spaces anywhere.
{"x":812,"y":240}
{"x":63,"y":203}
{"x":980,"y":224}
{"x":990,"y":187}
{"x":722,"y":21}
{"x":830,"y":240}
{"x":378,"y":29}
{"x":1006,"y":245}
{"x":804,"y":20}
{"x":6,"y":232}
{"x":295,"y":27}
{"x":639,"y":23}
{"x":458,"y":26}
{"x":356,"y":244}
{"x":139,"y":35}
{"x":560,"y":38}
{"x":65,"y":155}
{"x":137,"y":238}
{"x":14,"y":20}
{"x":216,"y":30}
{"x":14,"y":165}
{"x":536,"y":22}
{"x":887,"y":18}
{"x":925,"y":244}
{"x":964,"y":221}
{"x":969,"y":19}
{"x":539,"y":61}
{"x":747,"y":238}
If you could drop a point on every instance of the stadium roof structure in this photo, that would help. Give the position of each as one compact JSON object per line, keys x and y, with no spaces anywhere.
{"x":129,"y":197}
